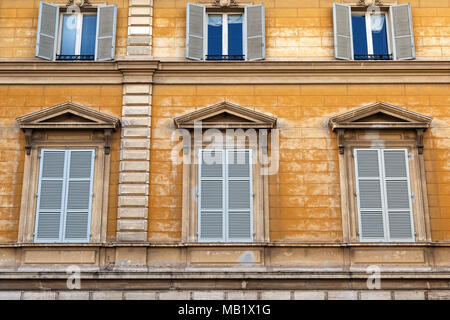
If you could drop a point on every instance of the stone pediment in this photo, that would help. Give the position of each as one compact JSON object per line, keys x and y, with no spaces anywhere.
{"x":68,"y":116}
{"x":380,"y":115}
{"x":226,"y":115}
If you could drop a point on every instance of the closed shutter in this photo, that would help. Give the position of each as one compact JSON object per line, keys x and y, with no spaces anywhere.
{"x":402,"y":33}
{"x":47,"y":31}
{"x":195,"y":31}
{"x":64,"y":196}
{"x":211,"y":195}
{"x":105,"y":45}
{"x":369,"y":191}
{"x":239,"y":196}
{"x":398,"y":195}
{"x":343,"y":34}
{"x":254,"y":32}
{"x":79,"y":194}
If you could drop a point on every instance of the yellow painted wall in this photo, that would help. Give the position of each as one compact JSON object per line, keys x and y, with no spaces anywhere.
{"x":18,"y":27}
{"x":19,"y":100}
{"x":305,"y":200}
{"x":303,"y":29}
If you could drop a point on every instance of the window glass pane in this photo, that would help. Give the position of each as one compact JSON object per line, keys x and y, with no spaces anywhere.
{"x":215,"y":34}
{"x":88,"y":34}
{"x":235,"y":35}
{"x":69,"y":34}
{"x":359,"y":35}
{"x":379,"y":36}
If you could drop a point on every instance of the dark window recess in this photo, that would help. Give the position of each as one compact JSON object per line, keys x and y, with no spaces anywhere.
{"x":69,"y":57}
{"x":225,"y":57}
{"x":373,"y":57}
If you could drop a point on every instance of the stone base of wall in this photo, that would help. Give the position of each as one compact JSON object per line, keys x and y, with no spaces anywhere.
{"x":227,"y":295}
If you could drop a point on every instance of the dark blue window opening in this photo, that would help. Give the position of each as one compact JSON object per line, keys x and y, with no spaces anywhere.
{"x":215,"y":37}
{"x":69,"y":36}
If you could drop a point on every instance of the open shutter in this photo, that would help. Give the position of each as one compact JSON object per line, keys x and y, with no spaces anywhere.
{"x":398,"y":195}
{"x":239,"y":195}
{"x":47,"y":31}
{"x":369,"y":192}
{"x":79,"y":195}
{"x":343,"y":34}
{"x":402,"y":32}
{"x":105,"y":45}
{"x":50,"y":201}
{"x":254,"y":32}
{"x":195,"y":31}
{"x":211,"y":195}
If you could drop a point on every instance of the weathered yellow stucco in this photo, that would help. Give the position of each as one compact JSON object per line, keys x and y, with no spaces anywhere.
{"x":18,"y":27}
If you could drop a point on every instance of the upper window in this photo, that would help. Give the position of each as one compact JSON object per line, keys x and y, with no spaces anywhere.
{"x":82,"y":35}
{"x":227,"y":34}
{"x":373,"y":34}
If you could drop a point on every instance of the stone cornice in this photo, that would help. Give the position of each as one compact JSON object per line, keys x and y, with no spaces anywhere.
{"x":189,"y":72}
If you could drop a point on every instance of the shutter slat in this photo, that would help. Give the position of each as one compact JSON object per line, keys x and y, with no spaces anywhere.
{"x":397,"y":194}
{"x":78,"y":197}
{"x":255,"y":32}
{"x":212,"y":195}
{"x":195,"y":31}
{"x":106,"y":33}
{"x":402,"y":33}
{"x":47,"y":31}
{"x":77,"y":225}
{"x":51,"y":194}
{"x":48,"y":225}
{"x":370,"y":194}
{"x":239,"y":195}
{"x":400,"y":225}
{"x":80,"y":164}
{"x":211,"y":226}
{"x":372,"y":224}
{"x":368,"y":166}
{"x":343,"y":37}
{"x":239,"y":225}
{"x":395,"y":164}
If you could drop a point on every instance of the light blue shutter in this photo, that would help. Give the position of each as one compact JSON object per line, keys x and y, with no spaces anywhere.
{"x":195,"y":31}
{"x":343,"y":34}
{"x":47,"y":31}
{"x":105,"y":45}
{"x":398,"y":195}
{"x":50,"y":196}
{"x":239,"y":195}
{"x":254,"y":32}
{"x":369,"y":193}
{"x":79,"y":195}
{"x":402,"y":33}
{"x":211,"y":195}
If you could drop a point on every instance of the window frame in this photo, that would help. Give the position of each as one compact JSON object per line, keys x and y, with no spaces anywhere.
{"x":225,"y":34}
{"x":79,"y":31}
{"x":383,"y":179}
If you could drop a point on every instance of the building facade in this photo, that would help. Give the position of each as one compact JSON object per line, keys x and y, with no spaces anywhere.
{"x":225,"y":149}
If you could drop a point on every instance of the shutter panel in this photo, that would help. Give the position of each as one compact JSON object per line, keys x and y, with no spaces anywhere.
{"x":195,"y":31}
{"x":402,"y":33}
{"x":370,"y":203}
{"x":343,"y":34}
{"x":79,"y":194}
{"x":50,"y":196}
{"x":398,"y":194}
{"x":211,"y":190}
{"x":254,"y":32}
{"x":239,"y":195}
{"x":47,"y":31}
{"x":105,"y":45}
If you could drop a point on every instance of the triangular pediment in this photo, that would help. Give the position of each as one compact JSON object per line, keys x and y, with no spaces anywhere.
{"x":226,"y":115}
{"x":68,"y":116}
{"x":380,"y":115}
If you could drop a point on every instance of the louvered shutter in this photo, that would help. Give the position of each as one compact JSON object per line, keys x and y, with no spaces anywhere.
{"x":343,"y":34}
{"x":211,"y":195}
{"x":254,"y":32}
{"x":79,"y":194}
{"x":105,"y":45}
{"x":369,"y":193}
{"x":195,"y":31}
{"x":47,"y":31}
{"x":239,"y":195}
{"x":402,"y":33}
{"x":398,"y":195}
{"x":50,"y":200}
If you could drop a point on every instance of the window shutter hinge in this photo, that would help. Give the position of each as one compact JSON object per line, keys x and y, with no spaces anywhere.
{"x":413,"y":196}
{"x":37,"y":195}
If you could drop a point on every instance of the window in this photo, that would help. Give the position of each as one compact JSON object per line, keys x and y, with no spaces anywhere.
{"x":361,"y":34}
{"x":225,"y":34}
{"x":384,"y":195}
{"x":86,"y":35}
{"x":225,"y":195}
{"x":64,"y":198}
